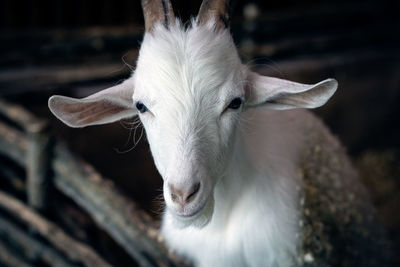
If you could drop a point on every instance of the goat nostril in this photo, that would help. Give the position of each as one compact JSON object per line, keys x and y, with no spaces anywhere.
{"x":183,"y":197}
{"x":195,"y":189}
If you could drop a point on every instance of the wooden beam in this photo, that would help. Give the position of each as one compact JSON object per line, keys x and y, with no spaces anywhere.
{"x":17,"y":114}
{"x":31,"y":248}
{"x":9,"y":258}
{"x":76,"y":251}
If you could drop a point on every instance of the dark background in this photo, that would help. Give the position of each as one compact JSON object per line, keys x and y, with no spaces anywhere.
{"x":78,"y":47}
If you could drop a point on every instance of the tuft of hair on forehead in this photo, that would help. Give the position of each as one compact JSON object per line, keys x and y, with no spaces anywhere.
{"x":186,"y":63}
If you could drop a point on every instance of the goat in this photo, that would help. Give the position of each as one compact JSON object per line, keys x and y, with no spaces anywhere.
{"x":251,"y":178}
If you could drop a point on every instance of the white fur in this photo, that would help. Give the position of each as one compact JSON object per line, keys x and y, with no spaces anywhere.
{"x":255,"y":215}
{"x":246,"y":160}
{"x":188,"y":77}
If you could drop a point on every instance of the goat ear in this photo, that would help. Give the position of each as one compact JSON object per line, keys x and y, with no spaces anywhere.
{"x":106,"y":106}
{"x":274,"y":93}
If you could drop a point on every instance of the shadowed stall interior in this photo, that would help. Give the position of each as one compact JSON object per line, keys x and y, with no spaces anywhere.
{"x":76,"y":48}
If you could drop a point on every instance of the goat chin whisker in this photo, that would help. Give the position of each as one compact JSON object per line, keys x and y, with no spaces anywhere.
{"x":159,"y":203}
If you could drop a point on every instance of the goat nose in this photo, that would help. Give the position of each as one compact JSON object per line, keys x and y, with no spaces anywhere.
{"x":184,"y":196}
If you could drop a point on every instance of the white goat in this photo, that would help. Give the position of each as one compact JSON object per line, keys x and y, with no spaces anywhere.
{"x":249,"y":179}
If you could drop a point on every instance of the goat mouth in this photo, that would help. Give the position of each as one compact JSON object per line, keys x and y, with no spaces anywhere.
{"x":194,"y":213}
{"x":199,"y":218}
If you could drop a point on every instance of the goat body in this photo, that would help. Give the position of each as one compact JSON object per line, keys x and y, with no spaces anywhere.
{"x":290,"y":197}
{"x":249,"y":178}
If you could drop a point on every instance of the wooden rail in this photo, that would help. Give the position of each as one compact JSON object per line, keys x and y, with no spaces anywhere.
{"x":27,"y":142}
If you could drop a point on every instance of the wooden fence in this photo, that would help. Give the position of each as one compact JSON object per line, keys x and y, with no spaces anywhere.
{"x":27,"y":141}
{"x":309,"y":44}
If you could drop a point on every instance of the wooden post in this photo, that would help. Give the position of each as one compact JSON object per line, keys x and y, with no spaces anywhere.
{"x":38,"y":165}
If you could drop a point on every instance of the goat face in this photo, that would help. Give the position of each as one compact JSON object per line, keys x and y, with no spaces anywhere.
{"x":189,"y":86}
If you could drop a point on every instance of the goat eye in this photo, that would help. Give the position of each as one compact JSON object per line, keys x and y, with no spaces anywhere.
{"x":141,"y":107}
{"x":235,"y":103}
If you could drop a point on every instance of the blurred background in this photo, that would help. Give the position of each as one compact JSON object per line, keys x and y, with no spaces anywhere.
{"x":76,"y":48}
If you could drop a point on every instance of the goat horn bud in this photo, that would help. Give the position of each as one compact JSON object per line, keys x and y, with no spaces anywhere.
{"x":216,"y":10}
{"x":157,"y":11}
